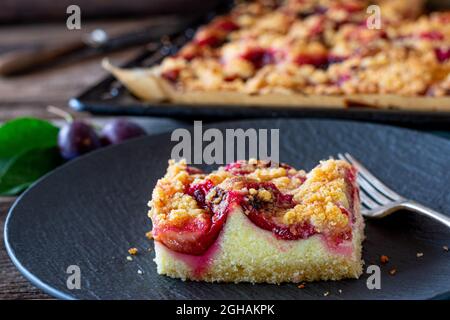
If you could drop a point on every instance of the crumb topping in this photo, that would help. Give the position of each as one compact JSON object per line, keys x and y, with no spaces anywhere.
{"x":133,"y":251}
{"x":277,"y":193}
{"x":321,"y":198}
{"x":320,"y":47}
{"x":169,"y":202}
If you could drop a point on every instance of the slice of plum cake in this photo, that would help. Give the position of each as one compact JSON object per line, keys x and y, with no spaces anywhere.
{"x":258,"y":221}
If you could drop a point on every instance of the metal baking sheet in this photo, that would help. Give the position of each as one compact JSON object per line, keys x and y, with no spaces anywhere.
{"x":110,"y":97}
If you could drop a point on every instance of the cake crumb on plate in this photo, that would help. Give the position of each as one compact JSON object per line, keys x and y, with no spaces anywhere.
{"x":384,"y":259}
{"x":133,"y":251}
{"x":149,"y":235}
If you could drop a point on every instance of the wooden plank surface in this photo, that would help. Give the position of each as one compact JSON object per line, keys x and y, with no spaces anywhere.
{"x":12,"y":284}
{"x":29,"y":95}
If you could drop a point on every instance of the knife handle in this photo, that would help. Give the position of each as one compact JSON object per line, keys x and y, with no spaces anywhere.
{"x":20,"y":60}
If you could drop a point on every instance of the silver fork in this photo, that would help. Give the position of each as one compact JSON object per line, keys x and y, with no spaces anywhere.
{"x":378,"y":200}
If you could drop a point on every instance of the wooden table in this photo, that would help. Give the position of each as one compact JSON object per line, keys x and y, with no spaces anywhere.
{"x":29,"y":95}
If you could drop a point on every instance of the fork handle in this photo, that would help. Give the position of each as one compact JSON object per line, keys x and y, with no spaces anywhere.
{"x":419,"y":208}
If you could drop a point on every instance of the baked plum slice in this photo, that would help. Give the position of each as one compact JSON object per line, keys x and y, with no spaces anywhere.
{"x":194,"y":237}
{"x":199,"y":232}
{"x":265,"y":207}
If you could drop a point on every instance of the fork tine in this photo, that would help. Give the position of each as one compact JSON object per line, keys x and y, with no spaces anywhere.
{"x":342,"y":157}
{"x":369,"y":177}
{"x":367,"y":201}
{"x":372,"y":192}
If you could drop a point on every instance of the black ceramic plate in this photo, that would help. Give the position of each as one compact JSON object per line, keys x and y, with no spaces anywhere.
{"x":89,"y":212}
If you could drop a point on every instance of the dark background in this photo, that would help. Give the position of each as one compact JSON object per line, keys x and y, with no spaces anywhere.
{"x":48,"y":10}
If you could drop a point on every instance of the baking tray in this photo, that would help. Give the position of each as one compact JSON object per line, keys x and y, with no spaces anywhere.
{"x":110,"y":97}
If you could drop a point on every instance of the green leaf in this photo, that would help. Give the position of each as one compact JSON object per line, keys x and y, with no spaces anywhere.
{"x":22,"y":135}
{"x":26,"y":168}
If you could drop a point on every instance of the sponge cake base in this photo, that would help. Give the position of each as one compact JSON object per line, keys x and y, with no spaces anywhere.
{"x":244,"y":252}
